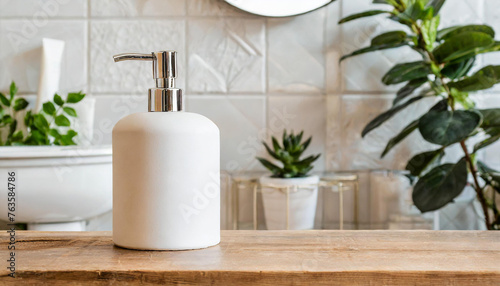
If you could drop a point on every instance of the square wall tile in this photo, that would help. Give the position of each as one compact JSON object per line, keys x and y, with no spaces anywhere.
{"x":365,"y":72}
{"x":109,"y":38}
{"x":109,"y":109}
{"x":241,"y":120}
{"x":297,"y":113}
{"x":131,"y":8}
{"x":226,"y":55}
{"x":462,"y":12}
{"x":295,"y":59}
{"x":364,"y":153}
{"x":212,"y":8}
{"x":39,"y":11}
{"x":21,"y":53}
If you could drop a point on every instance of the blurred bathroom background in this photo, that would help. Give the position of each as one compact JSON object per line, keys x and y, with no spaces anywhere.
{"x":253,"y":76}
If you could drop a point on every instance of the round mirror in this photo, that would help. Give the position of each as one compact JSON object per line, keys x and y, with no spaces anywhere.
{"x":278,"y":8}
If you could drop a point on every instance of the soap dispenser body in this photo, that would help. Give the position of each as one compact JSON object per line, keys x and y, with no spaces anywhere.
{"x":166,"y":181}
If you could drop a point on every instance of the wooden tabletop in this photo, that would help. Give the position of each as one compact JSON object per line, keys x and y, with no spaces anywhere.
{"x":262,"y":258}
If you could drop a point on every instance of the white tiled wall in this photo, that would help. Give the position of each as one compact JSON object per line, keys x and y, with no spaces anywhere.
{"x":253,"y":76}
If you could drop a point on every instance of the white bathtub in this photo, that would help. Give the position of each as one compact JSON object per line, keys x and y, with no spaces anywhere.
{"x":57,"y":184}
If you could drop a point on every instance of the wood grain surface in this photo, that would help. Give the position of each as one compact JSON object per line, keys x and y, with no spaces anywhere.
{"x":262,"y":258}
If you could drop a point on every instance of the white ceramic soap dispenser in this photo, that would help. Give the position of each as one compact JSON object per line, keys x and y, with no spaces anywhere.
{"x":166,"y":183}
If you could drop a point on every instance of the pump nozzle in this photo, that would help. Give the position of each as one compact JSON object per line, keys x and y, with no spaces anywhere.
{"x":165,"y":97}
{"x":132,"y":56}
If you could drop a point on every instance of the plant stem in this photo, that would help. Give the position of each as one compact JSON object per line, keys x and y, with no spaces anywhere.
{"x":477,"y":188}
{"x":451,"y":103}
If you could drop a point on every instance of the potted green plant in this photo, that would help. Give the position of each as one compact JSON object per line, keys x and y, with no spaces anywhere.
{"x":292,"y":177}
{"x":50,"y":126}
{"x":60,"y":184}
{"x":444,"y":72}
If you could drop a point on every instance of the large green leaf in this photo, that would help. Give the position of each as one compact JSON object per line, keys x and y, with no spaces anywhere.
{"x":486,"y":142}
{"x":459,"y":69}
{"x":422,"y":161}
{"x":387,"y":115}
{"x":491,"y":120}
{"x":372,"y":49}
{"x":405,"y":72}
{"x":485,"y":78}
{"x":408,"y":89}
{"x":393,"y":37}
{"x":441,"y":105}
{"x":448,"y":127}
{"x":440,"y":186}
{"x":456,"y":30}
{"x":363,"y":15}
{"x":402,"y":135}
{"x":495,"y":47}
{"x":465,"y":44}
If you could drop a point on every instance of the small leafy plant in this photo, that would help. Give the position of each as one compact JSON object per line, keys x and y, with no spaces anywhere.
{"x":444,"y":72}
{"x":43,"y":128}
{"x":289,"y":156}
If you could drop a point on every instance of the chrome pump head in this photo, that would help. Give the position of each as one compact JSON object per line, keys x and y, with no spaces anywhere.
{"x":165,"y":97}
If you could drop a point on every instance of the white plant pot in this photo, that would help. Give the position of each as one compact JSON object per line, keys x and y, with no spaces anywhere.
{"x":302,"y":201}
{"x":57,"y":184}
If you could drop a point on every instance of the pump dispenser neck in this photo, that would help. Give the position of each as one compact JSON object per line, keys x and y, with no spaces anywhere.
{"x":165,"y":97}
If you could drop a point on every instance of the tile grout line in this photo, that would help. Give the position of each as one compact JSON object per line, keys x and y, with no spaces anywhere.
{"x":340,"y":89}
{"x":89,"y":85}
{"x":325,"y":85}
{"x":186,"y":62}
{"x":186,"y":56}
{"x":266,"y":76}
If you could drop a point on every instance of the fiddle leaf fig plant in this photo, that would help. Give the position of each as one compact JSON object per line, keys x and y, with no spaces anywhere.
{"x":289,"y":154}
{"x":444,"y":72}
{"x":50,"y":126}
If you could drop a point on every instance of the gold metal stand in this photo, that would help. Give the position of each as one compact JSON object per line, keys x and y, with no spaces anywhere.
{"x":329,"y":181}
